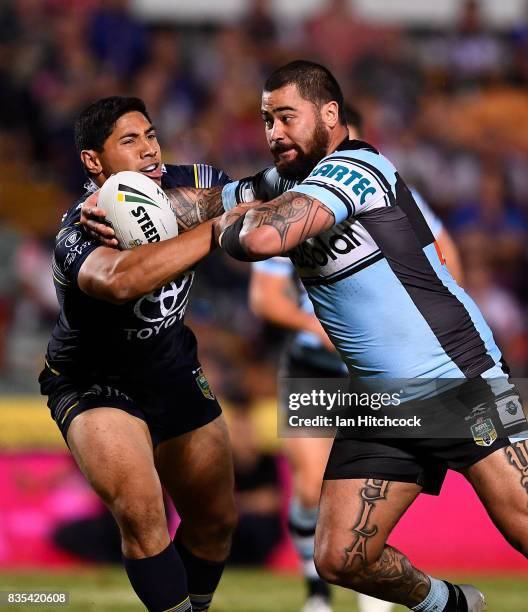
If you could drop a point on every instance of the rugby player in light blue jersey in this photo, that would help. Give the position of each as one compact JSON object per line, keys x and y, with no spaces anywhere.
{"x":276,"y":295}
{"x":380,"y":288}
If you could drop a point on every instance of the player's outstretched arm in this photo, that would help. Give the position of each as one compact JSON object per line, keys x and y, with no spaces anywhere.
{"x":272,"y":228}
{"x":120,"y":276}
{"x":191,"y":206}
{"x":272,"y":298}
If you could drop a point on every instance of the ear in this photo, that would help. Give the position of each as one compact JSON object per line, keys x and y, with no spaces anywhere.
{"x":330,"y":114}
{"x":90,"y":160}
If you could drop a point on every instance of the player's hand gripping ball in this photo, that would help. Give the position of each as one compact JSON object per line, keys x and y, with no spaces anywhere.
{"x":137,"y":209}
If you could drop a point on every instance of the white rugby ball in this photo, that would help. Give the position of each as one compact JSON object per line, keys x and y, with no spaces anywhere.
{"x":137,"y":209}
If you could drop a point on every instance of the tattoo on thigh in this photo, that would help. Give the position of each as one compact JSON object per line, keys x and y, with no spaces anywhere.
{"x":517,"y":455}
{"x":373,"y":491}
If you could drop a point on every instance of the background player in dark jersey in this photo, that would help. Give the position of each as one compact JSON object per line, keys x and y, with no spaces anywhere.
{"x":364,"y":496}
{"x":122,"y":375}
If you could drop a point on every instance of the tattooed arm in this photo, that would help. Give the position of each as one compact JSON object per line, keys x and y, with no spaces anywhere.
{"x":275,"y":227}
{"x":194,"y":206}
{"x":191,"y":206}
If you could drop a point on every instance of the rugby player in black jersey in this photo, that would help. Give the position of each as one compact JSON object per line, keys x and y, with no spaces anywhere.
{"x":302,"y":105}
{"x":122,"y":377}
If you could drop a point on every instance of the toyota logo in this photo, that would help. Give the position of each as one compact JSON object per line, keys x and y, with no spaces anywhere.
{"x":171,"y":299}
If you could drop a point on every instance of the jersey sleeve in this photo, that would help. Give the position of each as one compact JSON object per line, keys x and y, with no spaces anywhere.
{"x":72,"y":247}
{"x":274,"y":266}
{"x":432,"y":220}
{"x":200,"y":176}
{"x":206,"y":176}
{"x":265,"y":185}
{"x":347,"y":186}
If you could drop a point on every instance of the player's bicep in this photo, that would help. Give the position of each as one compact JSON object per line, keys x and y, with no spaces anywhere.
{"x":278,"y":226}
{"x":96,"y":273}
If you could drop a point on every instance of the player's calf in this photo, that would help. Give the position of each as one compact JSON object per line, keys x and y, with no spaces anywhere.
{"x":393,"y":578}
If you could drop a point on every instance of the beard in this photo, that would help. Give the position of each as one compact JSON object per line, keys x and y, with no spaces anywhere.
{"x":305,"y":161}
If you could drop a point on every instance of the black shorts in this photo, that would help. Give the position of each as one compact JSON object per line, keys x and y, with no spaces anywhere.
{"x":493,"y":421}
{"x":168,"y":410}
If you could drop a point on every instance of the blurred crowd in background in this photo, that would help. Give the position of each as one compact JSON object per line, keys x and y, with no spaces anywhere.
{"x":449,"y":107}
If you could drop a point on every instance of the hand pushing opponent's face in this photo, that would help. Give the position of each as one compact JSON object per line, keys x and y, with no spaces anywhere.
{"x":132,"y":145}
{"x":296,"y":131}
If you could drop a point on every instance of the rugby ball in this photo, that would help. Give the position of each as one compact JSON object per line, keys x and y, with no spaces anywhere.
{"x":137,"y":209}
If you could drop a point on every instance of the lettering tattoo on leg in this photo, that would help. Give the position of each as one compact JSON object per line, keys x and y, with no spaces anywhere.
{"x":373,"y":491}
{"x":392,"y":576}
{"x":517,"y":455}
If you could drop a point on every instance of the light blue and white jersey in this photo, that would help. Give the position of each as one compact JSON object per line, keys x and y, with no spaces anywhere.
{"x":283,"y":267}
{"x":376,"y":279}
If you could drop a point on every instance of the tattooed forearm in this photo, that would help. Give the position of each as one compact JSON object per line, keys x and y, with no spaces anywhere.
{"x":517,"y":455}
{"x":295,"y":216}
{"x":392,"y":576}
{"x":194,"y":206}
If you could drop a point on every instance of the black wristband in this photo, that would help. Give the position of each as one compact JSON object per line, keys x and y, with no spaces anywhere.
{"x":231,"y":241}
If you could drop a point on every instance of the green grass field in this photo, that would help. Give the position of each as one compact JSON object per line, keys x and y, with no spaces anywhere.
{"x":240,"y":591}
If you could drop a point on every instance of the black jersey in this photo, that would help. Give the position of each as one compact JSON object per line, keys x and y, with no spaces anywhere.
{"x":142,"y":340}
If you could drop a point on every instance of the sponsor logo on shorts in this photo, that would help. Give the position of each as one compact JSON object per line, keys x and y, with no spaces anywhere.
{"x":511,"y":412}
{"x":202,"y":382}
{"x":484,"y":432}
{"x":105,"y":391}
{"x":478,"y":411}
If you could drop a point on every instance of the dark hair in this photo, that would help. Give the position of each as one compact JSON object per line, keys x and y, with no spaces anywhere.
{"x":353,"y":117}
{"x":314,"y":82}
{"x":96,"y":122}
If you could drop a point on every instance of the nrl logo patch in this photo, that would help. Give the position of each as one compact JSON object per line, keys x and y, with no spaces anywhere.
{"x":484,"y":432}
{"x":201,"y":381}
{"x":511,"y":408}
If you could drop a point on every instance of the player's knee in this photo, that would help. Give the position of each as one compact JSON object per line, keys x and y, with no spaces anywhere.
{"x":309,"y":494}
{"x":211,"y":539}
{"x":336,"y":564}
{"x":142,"y":523}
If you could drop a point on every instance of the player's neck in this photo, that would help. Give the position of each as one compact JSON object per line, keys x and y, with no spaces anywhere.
{"x":337,"y":137}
